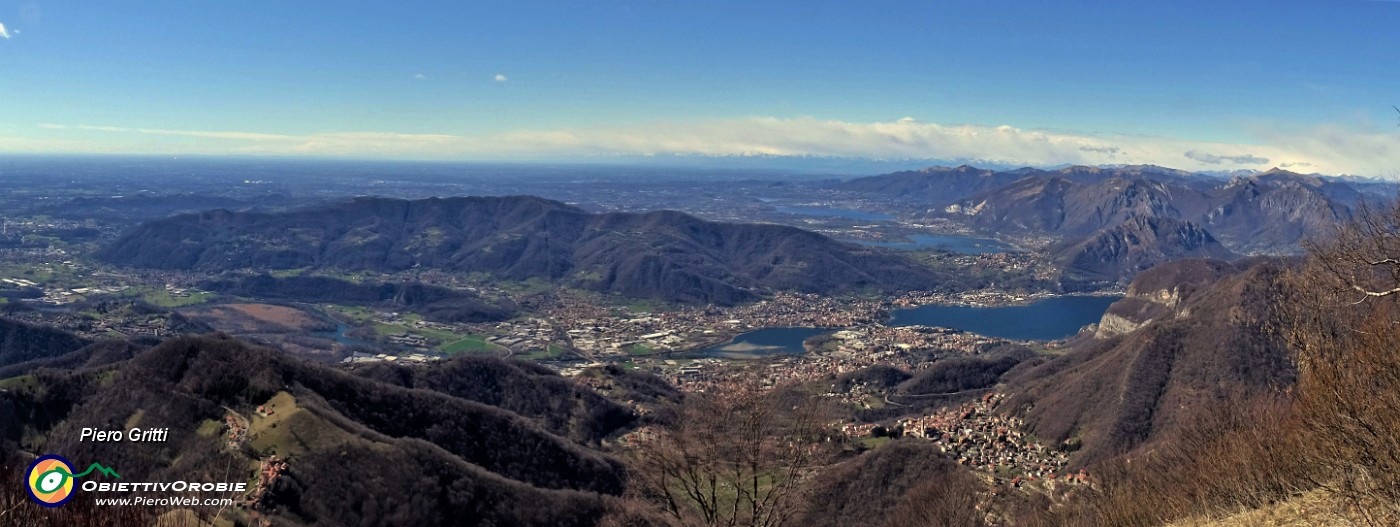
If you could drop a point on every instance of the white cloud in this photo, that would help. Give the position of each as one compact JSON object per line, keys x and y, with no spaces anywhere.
{"x":420,"y":77}
{"x":352,"y":144}
{"x":240,"y":136}
{"x":1329,"y":150}
{"x":901,"y":139}
{"x":1213,"y":159}
{"x":4,"y":33}
{"x":500,"y":78}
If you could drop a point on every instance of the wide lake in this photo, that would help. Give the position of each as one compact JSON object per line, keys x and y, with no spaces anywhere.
{"x":957,"y":244}
{"x":1048,"y":319}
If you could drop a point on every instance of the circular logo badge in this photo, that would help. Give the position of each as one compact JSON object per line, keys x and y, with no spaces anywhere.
{"x":50,"y":480}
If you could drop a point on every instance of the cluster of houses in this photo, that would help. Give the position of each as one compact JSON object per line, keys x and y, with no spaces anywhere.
{"x":976,"y":435}
{"x":237,"y":433}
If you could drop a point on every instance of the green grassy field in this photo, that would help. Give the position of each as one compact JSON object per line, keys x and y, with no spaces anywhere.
{"x":448,"y":343}
{"x":162,"y":298}
{"x":383,"y":329}
{"x":12,"y":383}
{"x":356,"y":313}
{"x":39,"y":275}
{"x":874,"y":442}
{"x":470,"y":344}
{"x":532,"y":286}
{"x":875,"y":402}
{"x":549,"y":353}
{"x":287,"y":273}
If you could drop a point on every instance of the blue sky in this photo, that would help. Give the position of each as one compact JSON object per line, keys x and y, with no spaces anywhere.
{"x":1304,"y":84}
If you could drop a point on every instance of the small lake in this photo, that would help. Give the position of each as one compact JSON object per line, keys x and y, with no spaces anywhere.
{"x":829,"y":212}
{"x":957,"y":244}
{"x":758,"y":343}
{"x":1049,"y":319}
{"x":339,"y":335}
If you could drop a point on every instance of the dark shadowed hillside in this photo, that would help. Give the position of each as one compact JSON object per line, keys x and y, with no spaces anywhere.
{"x":434,"y":303}
{"x":959,"y":374}
{"x":665,"y":255}
{"x":559,"y":405}
{"x":99,"y":353}
{"x":1161,"y":354}
{"x":360,"y":451}
{"x":896,"y":485}
{"x":22,"y":342}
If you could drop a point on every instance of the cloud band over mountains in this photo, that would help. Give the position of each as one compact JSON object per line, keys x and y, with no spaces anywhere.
{"x":1331,"y":150}
{"x":1233,"y":160}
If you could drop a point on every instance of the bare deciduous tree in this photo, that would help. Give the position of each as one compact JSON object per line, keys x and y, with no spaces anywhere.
{"x":1346,"y":331}
{"x":738,"y":458}
{"x":950,"y":502}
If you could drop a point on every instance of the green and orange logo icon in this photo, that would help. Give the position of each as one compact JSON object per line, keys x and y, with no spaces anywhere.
{"x":50,"y":479}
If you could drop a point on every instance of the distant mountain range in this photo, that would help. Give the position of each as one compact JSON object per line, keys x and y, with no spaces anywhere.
{"x":1112,"y":222}
{"x":1100,"y":226}
{"x":664,"y":255}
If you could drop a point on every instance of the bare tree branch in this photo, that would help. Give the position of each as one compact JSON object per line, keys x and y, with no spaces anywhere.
{"x":738,"y":459}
